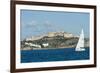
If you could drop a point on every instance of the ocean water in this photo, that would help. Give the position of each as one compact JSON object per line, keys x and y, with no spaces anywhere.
{"x":47,"y":55}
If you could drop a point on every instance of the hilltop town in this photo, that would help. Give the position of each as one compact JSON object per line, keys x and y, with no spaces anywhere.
{"x":52,"y":40}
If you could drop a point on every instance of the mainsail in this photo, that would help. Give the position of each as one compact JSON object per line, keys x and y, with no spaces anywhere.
{"x":80,"y":45}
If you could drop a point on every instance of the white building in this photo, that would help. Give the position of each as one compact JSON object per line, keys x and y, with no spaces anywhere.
{"x":45,"y":44}
{"x":64,"y":34}
{"x":33,"y":45}
{"x":68,"y":35}
{"x":52,"y":34}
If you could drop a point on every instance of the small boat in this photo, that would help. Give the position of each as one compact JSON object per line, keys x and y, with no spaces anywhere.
{"x":80,"y":45}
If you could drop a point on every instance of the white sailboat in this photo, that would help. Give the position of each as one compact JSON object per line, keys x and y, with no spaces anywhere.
{"x":80,"y":45}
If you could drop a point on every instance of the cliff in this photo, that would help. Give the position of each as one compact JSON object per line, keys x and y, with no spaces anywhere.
{"x":52,"y":40}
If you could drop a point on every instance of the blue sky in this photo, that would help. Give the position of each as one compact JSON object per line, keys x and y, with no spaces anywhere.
{"x":35,"y":23}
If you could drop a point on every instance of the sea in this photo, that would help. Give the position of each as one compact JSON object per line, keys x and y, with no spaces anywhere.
{"x":48,"y":55}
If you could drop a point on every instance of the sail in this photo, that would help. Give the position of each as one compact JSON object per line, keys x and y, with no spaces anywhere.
{"x":80,"y":45}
